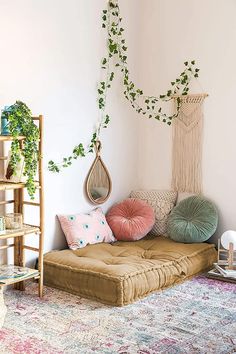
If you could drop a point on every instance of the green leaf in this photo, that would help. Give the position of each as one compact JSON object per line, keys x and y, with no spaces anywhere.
{"x":133,"y":94}
{"x":111,"y":76}
{"x":107,"y":119}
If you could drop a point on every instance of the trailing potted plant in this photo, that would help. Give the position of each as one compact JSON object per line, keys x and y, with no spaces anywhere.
{"x":20,"y":122}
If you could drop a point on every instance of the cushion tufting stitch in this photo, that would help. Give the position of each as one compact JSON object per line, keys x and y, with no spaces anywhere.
{"x":124,"y":272}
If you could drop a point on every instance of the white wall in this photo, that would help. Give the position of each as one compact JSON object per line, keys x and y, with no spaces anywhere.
{"x":172,"y":32}
{"x":50,"y":59}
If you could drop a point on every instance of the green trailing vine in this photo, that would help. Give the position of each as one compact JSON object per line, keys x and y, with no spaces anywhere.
{"x":149,"y":106}
{"x":20,"y":122}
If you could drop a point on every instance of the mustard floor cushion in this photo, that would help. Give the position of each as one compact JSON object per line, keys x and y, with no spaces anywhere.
{"x":121,"y":273}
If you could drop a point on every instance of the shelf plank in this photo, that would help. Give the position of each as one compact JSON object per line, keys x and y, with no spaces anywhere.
{"x":27,"y":229}
{"x":10,"y":138}
{"x":4,"y":186}
{"x":32,"y":274}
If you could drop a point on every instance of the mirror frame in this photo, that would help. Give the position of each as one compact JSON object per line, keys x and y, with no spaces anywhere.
{"x":98,"y":146}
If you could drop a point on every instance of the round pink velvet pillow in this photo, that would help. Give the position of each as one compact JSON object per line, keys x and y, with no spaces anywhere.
{"x":131,"y":219}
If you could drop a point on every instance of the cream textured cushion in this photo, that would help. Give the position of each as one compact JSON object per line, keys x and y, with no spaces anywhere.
{"x":3,"y":309}
{"x":162,"y":202}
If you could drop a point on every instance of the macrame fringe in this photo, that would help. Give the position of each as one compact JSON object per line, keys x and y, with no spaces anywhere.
{"x":187,"y":145}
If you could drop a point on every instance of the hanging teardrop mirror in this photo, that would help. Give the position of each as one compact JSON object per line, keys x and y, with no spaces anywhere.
{"x":98,"y":182}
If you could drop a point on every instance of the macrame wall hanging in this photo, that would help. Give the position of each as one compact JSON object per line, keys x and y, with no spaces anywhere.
{"x":187,"y":145}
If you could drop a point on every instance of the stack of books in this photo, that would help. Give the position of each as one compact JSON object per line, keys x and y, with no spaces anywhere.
{"x":10,"y":273}
{"x":221,"y":272}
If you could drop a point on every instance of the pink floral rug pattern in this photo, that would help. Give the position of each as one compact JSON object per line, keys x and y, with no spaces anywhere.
{"x":198,"y":316}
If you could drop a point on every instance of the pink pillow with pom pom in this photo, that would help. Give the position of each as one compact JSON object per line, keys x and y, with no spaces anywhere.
{"x":131,"y":219}
{"x":83,"y":229}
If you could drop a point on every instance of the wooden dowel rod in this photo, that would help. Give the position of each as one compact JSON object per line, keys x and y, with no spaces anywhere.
{"x":223,"y":250}
{"x":41,"y":198}
{"x":31,"y":248}
{"x":6,"y":246}
{"x":31,"y":203}
{"x":6,"y":202}
{"x":3,"y":157}
{"x":33,"y":225}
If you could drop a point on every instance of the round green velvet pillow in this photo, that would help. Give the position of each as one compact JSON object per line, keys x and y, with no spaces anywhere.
{"x":193,"y":220}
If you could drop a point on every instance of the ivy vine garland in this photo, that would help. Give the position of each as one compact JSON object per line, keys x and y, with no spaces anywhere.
{"x":149,"y":106}
{"x":20,"y":122}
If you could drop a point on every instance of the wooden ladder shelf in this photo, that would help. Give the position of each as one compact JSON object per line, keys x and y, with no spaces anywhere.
{"x":18,"y":202}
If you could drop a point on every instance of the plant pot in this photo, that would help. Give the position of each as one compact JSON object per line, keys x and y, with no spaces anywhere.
{"x":4,"y":126}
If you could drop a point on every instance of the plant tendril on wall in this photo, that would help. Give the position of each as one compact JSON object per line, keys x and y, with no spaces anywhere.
{"x":149,"y":106}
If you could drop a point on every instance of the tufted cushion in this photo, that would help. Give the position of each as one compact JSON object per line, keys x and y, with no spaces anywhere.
{"x":82,"y":229}
{"x":162,"y":203}
{"x":123,"y":272}
{"x":194,"y":219}
{"x":131,"y":219}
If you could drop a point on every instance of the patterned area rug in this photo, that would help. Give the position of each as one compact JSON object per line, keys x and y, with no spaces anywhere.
{"x":198,"y":316}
